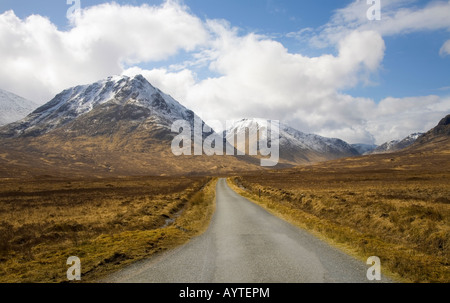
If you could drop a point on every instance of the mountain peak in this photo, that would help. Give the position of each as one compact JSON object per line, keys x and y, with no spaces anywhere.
{"x":135,"y":97}
{"x":140,"y":78}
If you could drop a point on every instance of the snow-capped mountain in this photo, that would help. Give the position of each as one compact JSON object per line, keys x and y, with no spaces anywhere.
{"x":295,"y":138}
{"x":14,"y":107}
{"x":364,"y":148}
{"x":113,"y":99}
{"x":396,"y":145}
{"x":295,"y":146}
{"x":116,"y":126}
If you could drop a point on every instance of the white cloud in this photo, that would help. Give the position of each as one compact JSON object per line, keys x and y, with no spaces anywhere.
{"x":445,"y":50}
{"x":39,"y":60}
{"x":396,"y":118}
{"x":177,"y":84}
{"x":396,"y":19}
{"x":258,"y":77}
{"x":137,"y":34}
{"x":358,"y":120}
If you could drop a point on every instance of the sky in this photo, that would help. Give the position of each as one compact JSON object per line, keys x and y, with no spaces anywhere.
{"x":363,"y":71}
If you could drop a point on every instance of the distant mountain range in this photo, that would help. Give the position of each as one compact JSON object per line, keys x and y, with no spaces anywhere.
{"x":13,"y":107}
{"x":122,"y":126}
{"x":396,"y":145}
{"x":295,"y":146}
{"x":116,"y":126}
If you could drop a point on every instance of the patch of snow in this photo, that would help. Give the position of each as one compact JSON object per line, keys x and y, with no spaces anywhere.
{"x":291,"y":138}
{"x":14,"y":107}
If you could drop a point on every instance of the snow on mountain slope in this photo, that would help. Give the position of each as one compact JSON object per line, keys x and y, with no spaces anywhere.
{"x":119,"y":126}
{"x":136,"y":93}
{"x":317,"y":143}
{"x":13,"y":107}
{"x":396,"y":145}
{"x":296,"y":146}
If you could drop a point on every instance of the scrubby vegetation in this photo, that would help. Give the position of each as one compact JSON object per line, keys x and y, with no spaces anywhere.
{"x":107,"y":223}
{"x":400,"y":215}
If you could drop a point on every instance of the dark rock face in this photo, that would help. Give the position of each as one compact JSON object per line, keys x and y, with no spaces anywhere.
{"x":445,"y":121}
{"x":443,"y":128}
{"x":441,"y":131}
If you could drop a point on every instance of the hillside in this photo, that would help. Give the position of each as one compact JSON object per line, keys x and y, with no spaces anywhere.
{"x":396,"y":145}
{"x":296,"y":147}
{"x":13,"y":107}
{"x":118,"y":126}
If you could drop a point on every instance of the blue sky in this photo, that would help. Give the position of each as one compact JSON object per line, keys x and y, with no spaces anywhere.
{"x":412,"y":64}
{"x":259,"y":15}
{"x":406,"y":68}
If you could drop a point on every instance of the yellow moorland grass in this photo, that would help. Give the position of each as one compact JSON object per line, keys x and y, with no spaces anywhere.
{"x":107,"y":223}
{"x":400,"y":215}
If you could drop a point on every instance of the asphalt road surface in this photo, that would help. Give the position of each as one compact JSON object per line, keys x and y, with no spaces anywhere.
{"x":246,"y":244}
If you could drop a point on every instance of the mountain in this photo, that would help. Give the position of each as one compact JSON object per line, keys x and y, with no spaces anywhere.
{"x":386,"y":147}
{"x":101,"y":108}
{"x":429,"y":154}
{"x":396,"y":145}
{"x":436,"y":137}
{"x":116,"y":126}
{"x":13,"y":107}
{"x":364,"y":148}
{"x":295,"y":146}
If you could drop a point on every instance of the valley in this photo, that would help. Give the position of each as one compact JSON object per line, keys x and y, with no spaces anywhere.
{"x":92,"y":173}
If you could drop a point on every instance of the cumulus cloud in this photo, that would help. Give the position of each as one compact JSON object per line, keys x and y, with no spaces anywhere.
{"x":445,"y":49}
{"x":39,"y":60}
{"x":394,"y":118}
{"x":177,"y":84}
{"x":258,"y":77}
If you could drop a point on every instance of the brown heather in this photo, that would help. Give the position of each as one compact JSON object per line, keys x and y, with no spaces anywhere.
{"x":394,"y":206}
{"x":107,"y":223}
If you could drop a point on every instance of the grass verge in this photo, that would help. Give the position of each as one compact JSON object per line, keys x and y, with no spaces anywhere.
{"x":108,"y":224}
{"x":411,"y":239}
